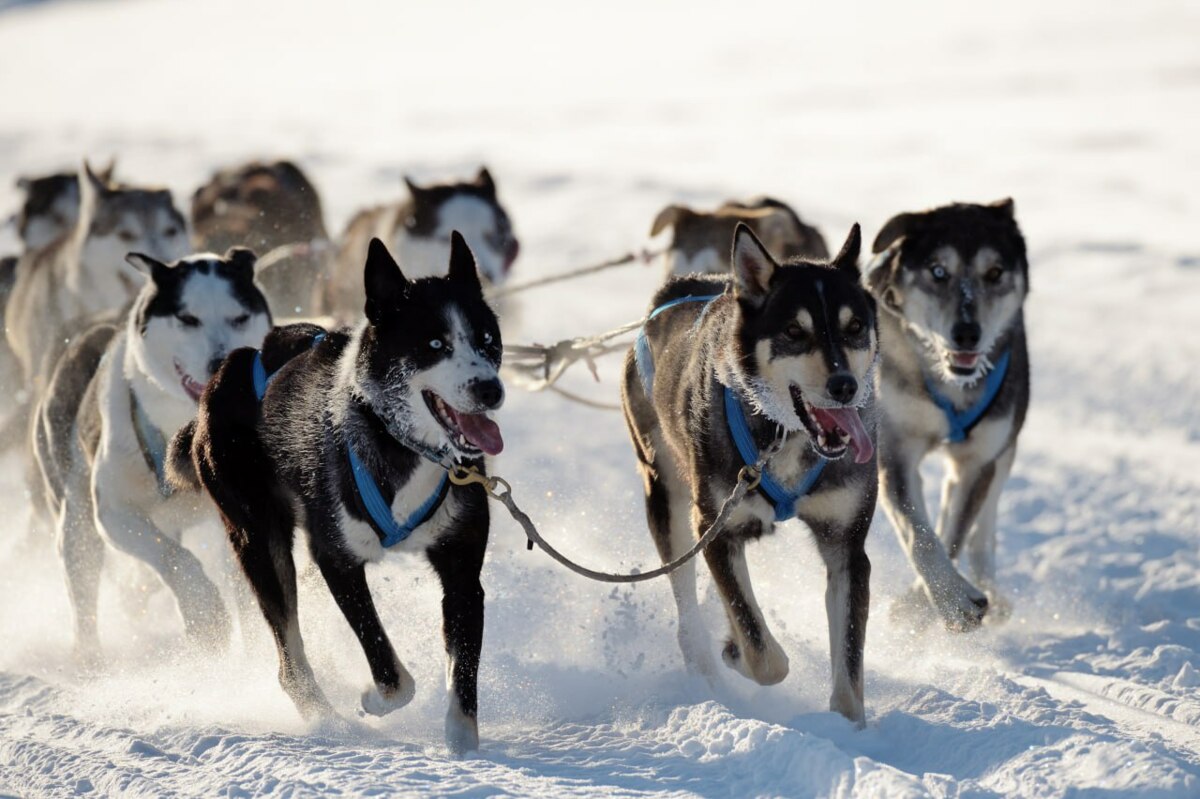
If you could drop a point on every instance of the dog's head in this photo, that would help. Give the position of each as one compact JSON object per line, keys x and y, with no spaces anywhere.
{"x":471,"y":208}
{"x":191,"y":313}
{"x":957,"y":276}
{"x":51,"y":206}
{"x":806,"y":342}
{"x":429,"y":358}
{"x":117,"y":219}
{"x":260,"y":204}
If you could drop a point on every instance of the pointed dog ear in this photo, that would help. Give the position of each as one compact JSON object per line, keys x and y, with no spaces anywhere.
{"x":242,"y":259}
{"x":385,"y":284}
{"x":880,"y":276}
{"x":847,"y":259}
{"x":411,"y":185}
{"x":150,"y":267}
{"x":96,"y":181}
{"x":753,"y":266}
{"x":462,"y":263}
{"x":669,"y":217}
{"x":895,"y":228}
{"x":484,"y":181}
{"x":1005,"y":206}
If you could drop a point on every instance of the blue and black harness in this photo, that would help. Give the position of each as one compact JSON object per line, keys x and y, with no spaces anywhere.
{"x":783,"y":498}
{"x":379,"y":513}
{"x":961,"y":423}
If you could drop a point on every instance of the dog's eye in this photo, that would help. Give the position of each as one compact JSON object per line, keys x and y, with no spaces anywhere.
{"x":170,"y":232}
{"x":795,"y":331}
{"x":993,"y":275}
{"x":939,"y":273}
{"x":487,"y":337}
{"x":239,"y":321}
{"x":187,"y":320}
{"x":436,"y":344}
{"x":127,"y":236}
{"x":854,"y":326}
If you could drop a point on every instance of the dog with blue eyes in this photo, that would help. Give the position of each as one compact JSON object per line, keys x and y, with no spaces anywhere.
{"x":353,"y":436}
{"x":953,"y":380}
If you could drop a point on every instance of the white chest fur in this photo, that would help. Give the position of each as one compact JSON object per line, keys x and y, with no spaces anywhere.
{"x":361,"y":539}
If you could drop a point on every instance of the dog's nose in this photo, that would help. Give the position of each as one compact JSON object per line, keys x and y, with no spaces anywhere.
{"x":215,"y":364}
{"x":842,"y":387}
{"x":489,"y":393}
{"x":965,"y":335}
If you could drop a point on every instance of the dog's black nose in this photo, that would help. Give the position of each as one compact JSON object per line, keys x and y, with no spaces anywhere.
{"x":489,"y":393}
{"x":966,"y":335}
{"x":842,"y":387}
{"x":215,"y":364}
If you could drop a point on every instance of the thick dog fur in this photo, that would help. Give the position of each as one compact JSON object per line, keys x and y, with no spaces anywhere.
{"x":382,"y":390}
{"x":700,"y":239}
{"x":263,"y":205}
{"x":793,"y":341}
{"x":51,"y":206}
{"x":84,"y":273}
{"x":951,"y":283}
{"x":97,"y":466}
{"x":418,"y":231}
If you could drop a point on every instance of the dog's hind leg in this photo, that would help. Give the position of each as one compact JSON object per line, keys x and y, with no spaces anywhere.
{"x":458,"y":566}
{"x":981,"y":541}
{"x":82,"y":551}
{"x":394,"y":687}
{"x":847,"y":600}
{"x":751,"y":651}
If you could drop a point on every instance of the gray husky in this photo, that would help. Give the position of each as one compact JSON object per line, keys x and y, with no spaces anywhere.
{"x":700,"y":239}
{"x":724,"y":365}
{"x":954,"y":379}
{"x":117,"y":395}
{"x":84,"y":273}
{"x":418,"y":231}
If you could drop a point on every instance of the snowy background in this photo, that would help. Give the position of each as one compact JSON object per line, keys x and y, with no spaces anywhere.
{"x":592,"y":118}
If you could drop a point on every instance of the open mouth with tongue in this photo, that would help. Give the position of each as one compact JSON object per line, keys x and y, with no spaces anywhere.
{"x":834,"y":430}
{"x":191,"y":386}
{"x":470,"y":433}
{"x":964,"y":363}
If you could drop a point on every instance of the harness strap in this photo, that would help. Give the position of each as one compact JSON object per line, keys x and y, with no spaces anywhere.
{"x":962,"y":422}
{"x":390,"y":531}
{"x":152,"y":444}
{"x":782,"y":498}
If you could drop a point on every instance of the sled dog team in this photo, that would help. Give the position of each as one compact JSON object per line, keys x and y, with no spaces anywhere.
{"x":152,"y":388}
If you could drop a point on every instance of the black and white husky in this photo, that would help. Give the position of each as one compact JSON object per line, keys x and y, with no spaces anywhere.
{"x":352,"y":441}
{"x":117,"y":395}
{"x":708,"y":388}
{"x":418,"y":231}
{"x":954,"y":379}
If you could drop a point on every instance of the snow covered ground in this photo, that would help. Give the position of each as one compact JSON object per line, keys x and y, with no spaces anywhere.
{"x":592,"y":118}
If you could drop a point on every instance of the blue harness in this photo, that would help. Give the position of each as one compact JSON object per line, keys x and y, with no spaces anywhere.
{"x":152,"y":443}
{"x":783,"y":499}
{"x":963,"y":422}
{"x":390,"y":531}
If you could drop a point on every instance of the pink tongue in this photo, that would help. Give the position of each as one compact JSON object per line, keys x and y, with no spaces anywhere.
{"x":848,"y":420}
{"x":480,"y":431}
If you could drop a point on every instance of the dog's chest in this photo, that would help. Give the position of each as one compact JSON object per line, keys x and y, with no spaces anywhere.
{"x":360,"y":538}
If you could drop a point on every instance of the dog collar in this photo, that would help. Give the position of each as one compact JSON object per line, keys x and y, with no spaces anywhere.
{"x":962,"y":422}
{"x":378,"y":511}
{"x":152,"y":444}
{"x":784,"y":499}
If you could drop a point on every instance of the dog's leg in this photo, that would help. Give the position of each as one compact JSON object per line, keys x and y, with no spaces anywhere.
{"x":963,"y":494}
{"x":394,"y":687}
{"x":981,"y":541}
{"x":960,"y":604}
{"x":458,"y":568}
{"x":751,"y":650}
{"x":82,"y":551}
{"x":847,"y":599}
{"x":265,"y":555}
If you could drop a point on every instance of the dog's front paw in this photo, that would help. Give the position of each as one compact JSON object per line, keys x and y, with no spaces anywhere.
{"x":765,"y":666}
{"x":999,"y":607}
{"x":850,"y":705}
{"x":961,"y":605}
{"x":462,"y":731}
{"x":381,"y":700}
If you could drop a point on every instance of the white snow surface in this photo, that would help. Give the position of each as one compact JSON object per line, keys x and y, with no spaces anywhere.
{"x":592,"y":117}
